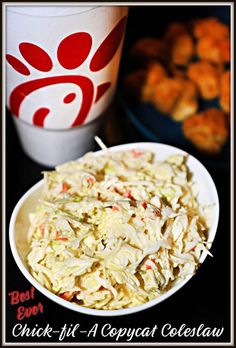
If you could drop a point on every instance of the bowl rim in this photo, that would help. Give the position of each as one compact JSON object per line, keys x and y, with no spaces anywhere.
{"x":116,"y":312}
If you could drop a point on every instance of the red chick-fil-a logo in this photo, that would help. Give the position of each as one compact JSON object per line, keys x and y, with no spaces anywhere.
{"x":71,"y":52}
{"x":16,"y":298}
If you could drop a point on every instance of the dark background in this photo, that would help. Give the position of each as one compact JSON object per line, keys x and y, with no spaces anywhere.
{"x":206,"y":298}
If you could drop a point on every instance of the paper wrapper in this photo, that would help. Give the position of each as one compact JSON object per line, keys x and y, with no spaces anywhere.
{"x":62,"y":62}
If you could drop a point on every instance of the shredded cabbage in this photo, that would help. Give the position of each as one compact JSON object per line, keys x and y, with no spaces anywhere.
{"x":117,"y":230}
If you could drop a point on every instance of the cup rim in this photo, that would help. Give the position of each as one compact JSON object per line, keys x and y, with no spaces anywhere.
{"x":9,"y":9}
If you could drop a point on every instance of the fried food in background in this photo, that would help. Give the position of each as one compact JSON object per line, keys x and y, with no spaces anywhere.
{"x":213,"y":42}
{"x":170,"y":95}
{"x":207,"y":78}
{"x":174,"y":30}
{"x":166,"y":94}
{"x":187,"y":104}
{"x":225,"y":91}
{"x":140,"y":84}
{"x":214,"y":50}
{"x":210,"y":27}
{"x":154,"y":74}
{"x":173,"y":81}
{"x":182,"y":49}
{"x":207,"y":130}
{"x":146,"y":49}
{"x":175,"y":96}
{"x":180,"y":44}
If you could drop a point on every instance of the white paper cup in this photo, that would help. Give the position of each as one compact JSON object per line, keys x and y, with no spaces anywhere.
{"x":62,"y":64}
{"x":52,"y":147}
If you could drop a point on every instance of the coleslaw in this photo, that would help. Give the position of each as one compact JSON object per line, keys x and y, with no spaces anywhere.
{"x":117,"y":230}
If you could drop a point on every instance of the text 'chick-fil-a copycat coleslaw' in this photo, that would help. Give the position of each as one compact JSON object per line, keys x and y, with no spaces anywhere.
{"x":117,"y":334}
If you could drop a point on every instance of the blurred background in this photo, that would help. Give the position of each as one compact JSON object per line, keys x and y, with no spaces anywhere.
{"x":164,"y":41}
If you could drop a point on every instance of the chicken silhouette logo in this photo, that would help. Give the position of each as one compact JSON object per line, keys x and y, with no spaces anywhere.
{"x":72,"y":52}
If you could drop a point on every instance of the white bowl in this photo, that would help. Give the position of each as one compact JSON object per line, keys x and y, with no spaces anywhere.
{"x":19,"y":225}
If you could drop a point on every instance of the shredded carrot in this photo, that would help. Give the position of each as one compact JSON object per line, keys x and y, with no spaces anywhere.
{"x":157,"y":212}
{"x":65,"y":187}
{"x":42,"y":230}
{"x":90,"y":180}
{"x":114,"y":208}
{"x":67,"y":295}
{"x":148,"y":267}
{"x":144,"y":204}
{"x":129,"y":195}
{"x":136,"y":153}
{"x":58,"y":237}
